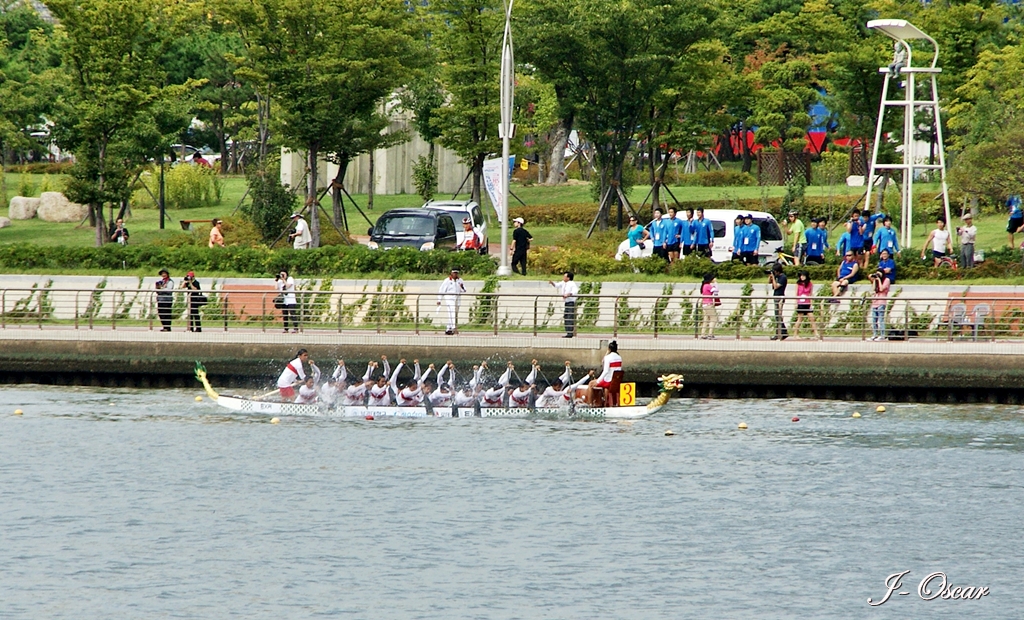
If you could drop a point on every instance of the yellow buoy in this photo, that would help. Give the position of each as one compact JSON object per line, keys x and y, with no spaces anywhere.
{"x":880,"y":409}
{"x":855,"y":415}
{"x":275,"y":420}
{"x":17,"y":412}
{"x":669,"y":432}
{"x":742,"y":426}
{"x":199,"y":399}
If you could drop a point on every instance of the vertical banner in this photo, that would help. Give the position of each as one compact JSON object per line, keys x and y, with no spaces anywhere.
{"x":492,"y":182}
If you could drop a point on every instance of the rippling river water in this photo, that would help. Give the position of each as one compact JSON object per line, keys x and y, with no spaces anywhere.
{"x":146,"y":504}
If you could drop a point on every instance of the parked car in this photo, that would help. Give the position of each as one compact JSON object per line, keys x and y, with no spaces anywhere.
{"x":723,"y":221}
{"x":461,"y":209}
{"x":423,"y":229}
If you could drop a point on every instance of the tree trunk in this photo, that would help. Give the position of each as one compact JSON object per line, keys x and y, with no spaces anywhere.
{"x":556,"y":161}
{"x":314,"y":211}
{"x":337,"y":200}
{"x":222,"y":140}
{"x":478,"y":175}
{"x":370,"y":183}
{"x":101,"y":228}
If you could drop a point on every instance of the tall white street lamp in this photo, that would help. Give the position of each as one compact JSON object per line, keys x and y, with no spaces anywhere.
{"x":505,"y":130}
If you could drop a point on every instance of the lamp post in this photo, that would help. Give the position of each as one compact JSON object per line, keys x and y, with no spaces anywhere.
{"x":505,"y":129}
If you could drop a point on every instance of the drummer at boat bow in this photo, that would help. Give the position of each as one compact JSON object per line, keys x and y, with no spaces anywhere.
{"x":291,"y":375}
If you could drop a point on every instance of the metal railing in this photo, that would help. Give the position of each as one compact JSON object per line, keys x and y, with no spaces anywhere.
{"x":969,"y":316}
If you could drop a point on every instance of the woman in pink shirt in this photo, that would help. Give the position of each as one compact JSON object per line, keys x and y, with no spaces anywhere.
{"x":804,"y":295}
{"x":709,"y":304}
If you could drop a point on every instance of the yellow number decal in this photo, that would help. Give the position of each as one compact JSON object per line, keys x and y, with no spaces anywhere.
{"x":627,"y":394}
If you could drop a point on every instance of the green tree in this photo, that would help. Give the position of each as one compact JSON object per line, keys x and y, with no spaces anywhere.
{"x":329,"y":65}
{"x":116,"y":111}
{"x":466,"y":39}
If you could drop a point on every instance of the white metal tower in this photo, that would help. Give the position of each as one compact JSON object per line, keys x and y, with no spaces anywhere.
{"x":902,"y":31}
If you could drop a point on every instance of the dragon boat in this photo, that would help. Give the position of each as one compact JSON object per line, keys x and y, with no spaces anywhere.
{"x":667,"y":384}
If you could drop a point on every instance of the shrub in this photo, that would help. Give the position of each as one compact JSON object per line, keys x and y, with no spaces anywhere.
{"x":191,"y":187}
{"x":271,"y":204}
{"x":42,"y":167}
{"x":717,"y":178}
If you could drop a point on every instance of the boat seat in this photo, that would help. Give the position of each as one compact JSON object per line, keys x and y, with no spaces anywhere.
{"x":611,"y":393}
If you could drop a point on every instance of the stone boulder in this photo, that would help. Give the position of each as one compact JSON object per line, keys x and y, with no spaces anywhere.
{"x":5,"y":222}
{"x":55,"y":207}
{"x":23,"y":208}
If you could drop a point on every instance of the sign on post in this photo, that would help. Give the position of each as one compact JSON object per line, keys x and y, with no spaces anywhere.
{"x":627,"y":394}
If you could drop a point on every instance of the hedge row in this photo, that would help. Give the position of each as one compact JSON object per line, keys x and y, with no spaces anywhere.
{"x":324,"y":261}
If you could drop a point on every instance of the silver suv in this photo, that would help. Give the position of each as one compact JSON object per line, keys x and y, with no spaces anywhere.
{"x":461,"y":209}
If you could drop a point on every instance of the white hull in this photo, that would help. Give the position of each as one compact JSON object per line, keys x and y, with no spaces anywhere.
{"x":237,"y":403}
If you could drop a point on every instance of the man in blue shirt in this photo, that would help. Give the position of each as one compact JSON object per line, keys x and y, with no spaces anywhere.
{"x":737,"y":238}
{"x":750,"y":243}
{"x":673,"y":230}
{"x":657,"y":232}
{"x":1016,"y":220}
{"x":856,"y":229}
{"x":686,"y":237}
{"x":815,"y":244}
{"x":843,"y":245}
{"x":823,"y":227}
{"x":868,"y":222}
{"x":885,"y":238}
{"x":703,"y":235}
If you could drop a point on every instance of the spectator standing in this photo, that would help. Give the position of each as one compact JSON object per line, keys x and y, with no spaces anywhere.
{"x":804,"y":296}
{"x":196,"y":300}
{"x":569,"y":291}
{"x":301,"y":237}
{"x":471,"y":240}
{"x":709,"y":303}
{"x":941,"y":242}
{"x":686,"y":235}
{"x":968,"y":235}
{"x":885,"y":238}
{"x":751,"y":241}
{"x":796,"y":229}
{"x":637,"y":235}
{"x":450,"y":293}
{"x":777,"y":278}
{"x":164,"y":299}
{"x":704,"y":235}
{"x":855,"y":226}
{"x":120,"y":233}
{"x":289,"y":304}
{"x":673,"y":234}
{"x":815,"y":244}
{"x":737,"y":239}
{"x":521,"y":239}
{"x":870,"y":222}
{"x":880,"y":286}
{"x":1016,"y":221}
{"x":216,"y":236}
{"x":657,"y":232}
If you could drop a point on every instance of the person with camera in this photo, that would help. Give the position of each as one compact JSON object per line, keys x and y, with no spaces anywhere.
{"x":120,"y":233}
{"x":880,"y":287}
{"x":778,"y":280}
{"x":164,"y":299}
{"x":638,"y":237}
{"x":286,"y":301}
{"x":301,"y":237}
{"x":196,"y":300}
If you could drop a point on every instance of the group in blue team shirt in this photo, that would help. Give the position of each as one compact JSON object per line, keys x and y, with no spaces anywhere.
{"x":673,"y":234}
{"x":746,"y":240}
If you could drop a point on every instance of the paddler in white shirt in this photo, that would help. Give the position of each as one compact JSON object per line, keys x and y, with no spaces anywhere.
{"x":561,"y":390}
{"x":412,"y":394}
{"x":355,"y":394}
{"x":331,"y":391}
{"x":493,"y":396}
{"x":380,"y":393}
{"x":292,"y":373}
{"x":307,"y":393}
{"x":520,"y":397}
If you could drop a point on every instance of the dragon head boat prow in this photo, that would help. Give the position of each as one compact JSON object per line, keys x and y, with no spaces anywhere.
{"x":201,"y":376}
{"x":666,"y":385}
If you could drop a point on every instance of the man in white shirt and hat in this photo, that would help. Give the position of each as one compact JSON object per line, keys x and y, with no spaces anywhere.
{"x":450,"y":293}
{"x":301,"y":238}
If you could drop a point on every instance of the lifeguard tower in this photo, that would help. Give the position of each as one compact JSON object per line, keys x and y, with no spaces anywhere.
{"x":902,"y":32}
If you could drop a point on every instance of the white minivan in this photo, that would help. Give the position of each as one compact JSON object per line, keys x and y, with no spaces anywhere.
{"x":723,"y":221}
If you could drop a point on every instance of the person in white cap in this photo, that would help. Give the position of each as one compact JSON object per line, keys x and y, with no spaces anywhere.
{"x":450,"y":293}
{"x":301,"y":239}
{"x":470,"y":236}
{"x":968,"y":235}
{"x":521,"y":239}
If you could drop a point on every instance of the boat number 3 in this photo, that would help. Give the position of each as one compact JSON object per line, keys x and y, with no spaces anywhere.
{"x":627,"y":394}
